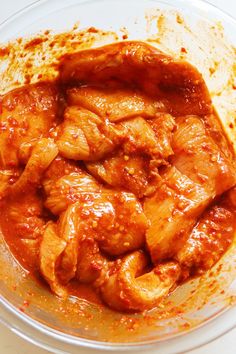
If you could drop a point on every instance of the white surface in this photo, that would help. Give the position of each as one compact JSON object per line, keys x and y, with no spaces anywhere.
{"x":9,"y":342}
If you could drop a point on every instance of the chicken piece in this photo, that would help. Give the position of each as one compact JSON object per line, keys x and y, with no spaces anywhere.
{"x":85,"y":136}
{"x":135,"y":167}
{"x":91,"y":264}
{"x":114,"y":220}
{"x":26,"y":113}
{"x":133,"y":173}
{"x":163,"y":126}
{"x":209,"y":239}
{"x":76,"y":228}
{"x":26,"y":219}
{"x":130,"y":288}
{"x":199,"y":157}
{"x":26,"y":214}
{"x":69,"y":229}
{"x":25,"y":151}
{"x":59,"y":167}
{"x":7,"y":177}
{"x":174,"y":82}
{"x":172,"y":212}
{"x":215,"y":129}
{"x":31,"y":252}
{"x":76,"y":186}
{"x":42,"y":155}
{"x":125,"y":223}
{"x":51,"y":248}
{"x":140,"y":138}
{"x":114,"y":104}
{"x":72,"y":232}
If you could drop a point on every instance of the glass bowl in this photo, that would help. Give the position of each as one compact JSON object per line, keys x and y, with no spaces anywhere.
{"x":198,"y":311}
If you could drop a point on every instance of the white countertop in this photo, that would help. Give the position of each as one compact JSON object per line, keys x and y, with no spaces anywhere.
{"x":9,"y":342}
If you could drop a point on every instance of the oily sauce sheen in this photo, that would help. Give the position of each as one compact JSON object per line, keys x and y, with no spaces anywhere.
{"x":117,"y":181}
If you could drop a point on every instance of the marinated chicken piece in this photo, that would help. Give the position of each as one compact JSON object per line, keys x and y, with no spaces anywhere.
{"x":69,"y":229}
{"x":131,"y":288}
{"x":25,"y":151}
{"x":26,"y":214}
{"x":76,"y":186}
{"x":42,"y":155}
{"x":115,"y":220}
{"x":175,"y":82}
{"x":135,"y":167}
{"x":85,"y":136}
{"x":91,"y":263}
{"x":133,"y":173}
{"x":51,"y":248}
{"x":141,"y":138}
{"x":26,"y":219}
{"x":72,"y":231}
{"x":26,"y":113}
{"x":59,"y":167}
{"x":209,"y":239}
{"x":215,"y":129}
{"x":76,"y":228}
{"x":7,"y":177}
{"x":172,"y":212}
{"x":199,"y":157}
{"x":115,"y":104}
{"x":126,"y":223}
{"x":163,"y":126}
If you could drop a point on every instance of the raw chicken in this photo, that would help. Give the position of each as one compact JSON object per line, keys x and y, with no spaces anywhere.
{"x":26,"y":113}
{"x":172,"y":212}
{"x":132,"y":173}
{"x":84,"y":136}
{"x":199,"y":157}
{"x":51,"y":248}
{"x":209,"y":239}
{"x":136,"y":64}
{"x":133,"y":288}
{"x":76,"y":186}
{"x":114,"y":104}
{"x":43,"y":153}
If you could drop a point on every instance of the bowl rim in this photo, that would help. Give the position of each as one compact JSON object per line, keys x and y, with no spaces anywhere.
{"x":195,"y":338}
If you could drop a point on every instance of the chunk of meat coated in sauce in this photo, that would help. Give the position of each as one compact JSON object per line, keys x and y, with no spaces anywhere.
{"x":126,"y":223}
{"x":25,"y":217}
{"x":113,"y":221}
{"x":84,"y":136}
{"x":137,"y":64}
{"x":26,"y":113}
{"x":76,"y":186}
{"x":43,"y":153}
{"x":172,"y":212}
{"x":135,"y":167}
{"x":132,"y":287}
{"x":149,"y":138}
{"x":115,"y":104}
{"x":132,"y":173}
{"x":60,"y":167}
{"x":209,"y":239}
{"x":50,"y":250}
{"x":91,"y":263}
{"x":197,"y":155}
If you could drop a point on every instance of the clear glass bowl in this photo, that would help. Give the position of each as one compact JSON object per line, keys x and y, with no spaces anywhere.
{"x":207,"y":303}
